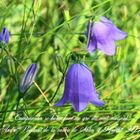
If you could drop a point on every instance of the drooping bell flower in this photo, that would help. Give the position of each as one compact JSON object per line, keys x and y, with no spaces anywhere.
{"x":102,"y":35}
{"x":28,"y":77}
{"x":79,"y":88}
{"x":4,"y":35}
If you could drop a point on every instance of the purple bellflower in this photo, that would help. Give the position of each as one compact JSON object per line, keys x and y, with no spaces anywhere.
{"x":28,"y":77}
{"x":102,"y":35}
{"x":4,"y":36}
{"x":79,"y":88}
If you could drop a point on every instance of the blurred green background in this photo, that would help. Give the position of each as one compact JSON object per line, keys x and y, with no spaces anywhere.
{"x":46,"y":31}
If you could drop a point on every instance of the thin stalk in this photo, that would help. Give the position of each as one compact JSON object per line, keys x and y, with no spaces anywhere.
{"x":5,"y":113}
{"x":44,"y":96}
{"x":61,"y":81}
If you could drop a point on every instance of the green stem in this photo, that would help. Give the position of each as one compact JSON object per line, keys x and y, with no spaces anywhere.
{"x":61,"y":81}
{"x":5,"y":113}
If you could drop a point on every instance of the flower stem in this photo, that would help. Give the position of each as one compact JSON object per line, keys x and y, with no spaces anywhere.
{"x":44,"y":96}
{"x":62,"y":79}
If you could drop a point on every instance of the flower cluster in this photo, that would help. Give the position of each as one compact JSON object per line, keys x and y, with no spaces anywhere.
{"x":79,"y":86}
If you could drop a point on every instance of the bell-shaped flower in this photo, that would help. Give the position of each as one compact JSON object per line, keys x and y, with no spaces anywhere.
{"x":79,"y":88}
{"x":28,"y":77}
{"x":4,"y":35}
{"x":102,"y":35}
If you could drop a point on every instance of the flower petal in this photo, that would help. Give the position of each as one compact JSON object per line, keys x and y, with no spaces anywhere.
{"x":92,"y":44}
{"x":102,"y":32}
{"x":97,"y":102}
{"x":83,"y":87}
{"x":104,"y":19}
{"x":4,"y":35}
{"x":79,"y":106}
{"x":0,"y":38}
{"x":63,"y":100}
{"x":118,"y":34}
{"x":68,"y":87}
{"x":79,"y":95}
{"x":28,"y":77}
{"x":107,"y":47}
{"x":7,"y":37}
